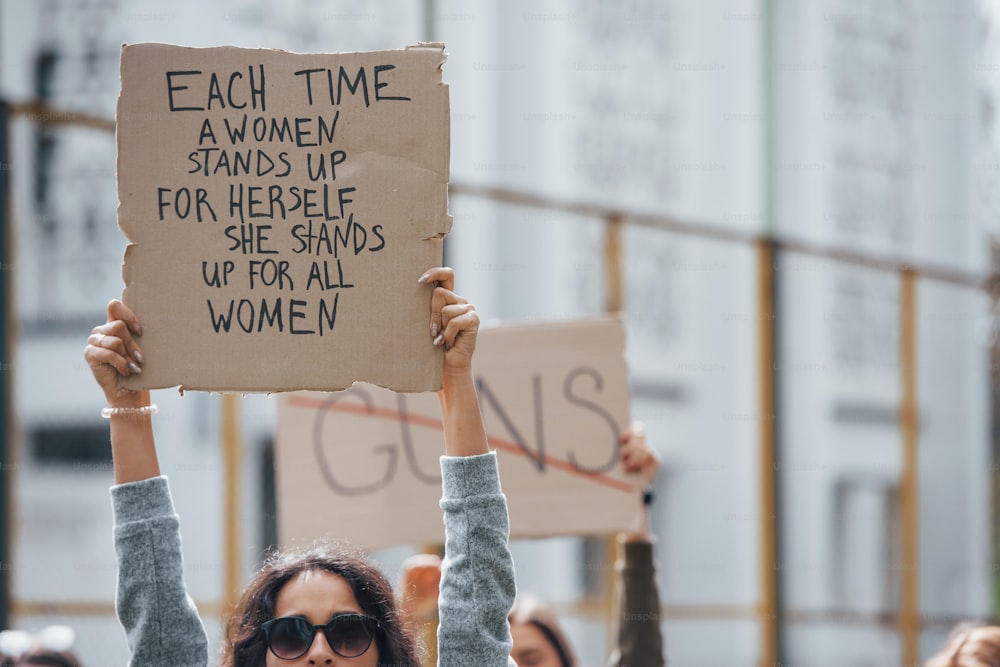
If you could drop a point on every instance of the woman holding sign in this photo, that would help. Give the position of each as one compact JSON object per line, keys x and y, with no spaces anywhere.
{"x":539,"y":640}
{"x":318,"y":607}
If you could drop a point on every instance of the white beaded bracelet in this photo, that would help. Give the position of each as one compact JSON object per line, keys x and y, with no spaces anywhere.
{"x":151,"y":409}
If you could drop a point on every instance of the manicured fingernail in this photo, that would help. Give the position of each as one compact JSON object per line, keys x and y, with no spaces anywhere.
{"x":138,"y":356}
{"x":424,"y":278}
{"x":434,"y":329}
{"x":132,"y":366}
{"x":439,"y":339}
{"x":137,"y":329}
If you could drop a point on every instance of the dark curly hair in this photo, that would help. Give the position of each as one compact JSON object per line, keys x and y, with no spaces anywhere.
{"x":244,"y":644}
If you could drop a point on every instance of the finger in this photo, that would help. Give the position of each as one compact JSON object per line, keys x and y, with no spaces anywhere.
{"x":451,"y":311}
{"x":636,"y":431}
{"x":650,"y":465}
{"x":639,"y":464}
{"x":108,"y":342}
{"x":459,"y":319}
{"x":118,"y":330}
{"x":98,"y":357}
{"x":630,"y":460}
{"x":441,"y":298}
{"x":628,"y":451}
{"x":637,"y":456}
{"x":444,"y":297}
{"x":115,"y":346}
{"x":441,"y":275}
{"x":119,"y":311}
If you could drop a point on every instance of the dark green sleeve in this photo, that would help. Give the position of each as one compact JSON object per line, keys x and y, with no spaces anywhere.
{"x":638,"y":629}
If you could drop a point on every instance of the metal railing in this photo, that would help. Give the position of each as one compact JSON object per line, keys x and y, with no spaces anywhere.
{"x":768,"y":611}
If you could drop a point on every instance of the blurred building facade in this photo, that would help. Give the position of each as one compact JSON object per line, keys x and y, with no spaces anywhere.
{"x":863,"y":128}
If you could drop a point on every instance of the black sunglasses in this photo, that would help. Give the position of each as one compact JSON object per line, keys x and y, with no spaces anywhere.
{"x":349,"y":635}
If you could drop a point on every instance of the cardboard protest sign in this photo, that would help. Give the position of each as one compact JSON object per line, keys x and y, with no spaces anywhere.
{"x":280,"y":208}
{"x":363,"y":463}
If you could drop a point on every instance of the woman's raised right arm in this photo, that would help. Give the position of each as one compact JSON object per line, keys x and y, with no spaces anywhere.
{"x":160,"y":619}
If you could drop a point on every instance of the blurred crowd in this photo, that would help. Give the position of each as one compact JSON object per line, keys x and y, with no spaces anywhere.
{"x":49,"y":647}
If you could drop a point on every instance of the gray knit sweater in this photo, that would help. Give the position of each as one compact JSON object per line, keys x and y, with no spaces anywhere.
{"x":477,"y":582}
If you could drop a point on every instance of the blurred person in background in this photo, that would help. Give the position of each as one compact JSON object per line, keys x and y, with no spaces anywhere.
{"x":969,"y":645}
{"x":41,"y":657}
{"x":539,"y":640}
{"x":50,"y":647}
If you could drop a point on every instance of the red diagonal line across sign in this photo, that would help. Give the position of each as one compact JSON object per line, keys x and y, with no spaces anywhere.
{"x":427,"y":422}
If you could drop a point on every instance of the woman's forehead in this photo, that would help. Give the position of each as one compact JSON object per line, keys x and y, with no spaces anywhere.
{"x":316,"y":594}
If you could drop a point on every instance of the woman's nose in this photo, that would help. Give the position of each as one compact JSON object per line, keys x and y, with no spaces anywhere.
{"x":320,"y":652}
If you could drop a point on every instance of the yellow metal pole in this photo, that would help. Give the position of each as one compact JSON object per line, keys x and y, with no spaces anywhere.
{"x":770,"y":556}
{"x":767,"y":470}
{"x":614,"y":274}
{"x":909,"y":492}
{"x":232,"y":446}
{"x":614,"y":302}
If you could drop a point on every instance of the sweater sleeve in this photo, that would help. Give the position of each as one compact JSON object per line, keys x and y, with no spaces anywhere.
{"x":639,"y":638}
{"x":160,"y":620}
{"x":477,"y":575}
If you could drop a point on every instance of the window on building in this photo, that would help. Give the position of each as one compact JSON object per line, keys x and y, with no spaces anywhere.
{"x":268,"y":498}
{"x":866,"y":543}
{"x":69,"y":445}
